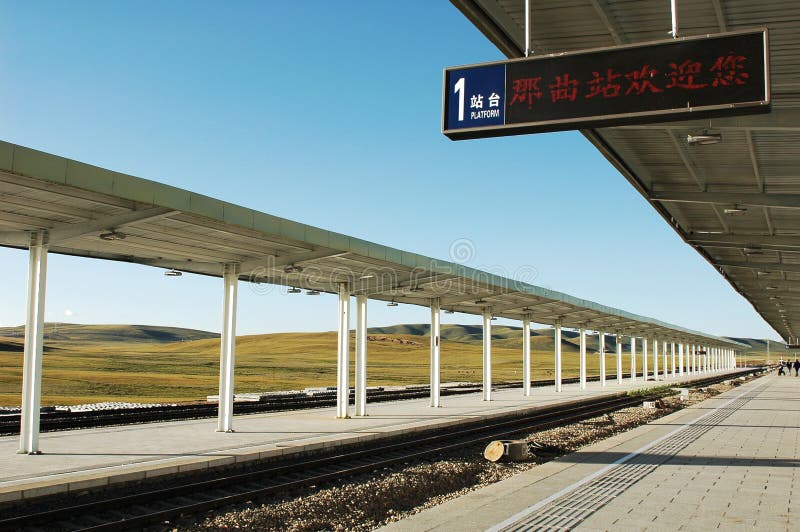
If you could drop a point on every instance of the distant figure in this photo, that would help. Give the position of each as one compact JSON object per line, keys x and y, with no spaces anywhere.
{"x":780,"y":369}
{"x":796,"y":367}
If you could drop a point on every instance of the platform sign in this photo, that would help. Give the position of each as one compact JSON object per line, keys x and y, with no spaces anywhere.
{"x":678,"y":79}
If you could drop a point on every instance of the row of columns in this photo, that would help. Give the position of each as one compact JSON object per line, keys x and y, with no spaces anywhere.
{"x":696,"y":359}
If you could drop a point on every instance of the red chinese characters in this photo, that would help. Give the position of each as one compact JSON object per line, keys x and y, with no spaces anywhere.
{"x":564,"y":88}
{"x":526,"y":90}
{"x":729,"y":70}
{"x":641,"y":81}
{"x":685,"y":75}
{"x":604,"y":85}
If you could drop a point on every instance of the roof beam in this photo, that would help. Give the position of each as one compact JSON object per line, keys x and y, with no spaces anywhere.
{"x":766,"y":266}
{"x":723,"y":24}
{"x":782,"y":201}
{"x":764,"y":241}
{"x":778,"y":119}
{"x":601,"y":8}
{"x":64,"y":232}
{"x":271,"y":262}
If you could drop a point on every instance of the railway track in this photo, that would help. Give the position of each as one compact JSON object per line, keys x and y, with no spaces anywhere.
{"x":147,"y":506}
{"x":62,"y":420}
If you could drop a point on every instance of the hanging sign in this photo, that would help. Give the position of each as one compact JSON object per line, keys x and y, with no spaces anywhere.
{"x":679,"y":79}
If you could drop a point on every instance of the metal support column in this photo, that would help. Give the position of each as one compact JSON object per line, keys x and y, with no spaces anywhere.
{"x":633,"y":358}
{"x":557,"y":341}
{"x":227,"y":354}
{"x":619,"y":358}
{"x":361,"y":355}
{"x":583,"y":358}
{"x":664,"y":358}
{"x":694,"y":359}
{"x":672,"y":348}
{"x":34,"y":340}
{"x":655,"y":359}
{"x":436,"y":322}
{"x":526,"y":357}
{"x":487,"y":355}
{"x":601,"y":338}
{"x":680,"y":359}
{"x":645,"y":343}
{"x":343,"y":354}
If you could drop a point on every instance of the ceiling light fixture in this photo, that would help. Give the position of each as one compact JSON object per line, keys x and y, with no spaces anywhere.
{"x":312,"y":293}
{"x":736,"y":210}
{"x":113,"y":235}
{"x":291,"y":268}
{"x":294,"y":290}
{"x":448,"y":311}
{"x":392,"y":303}
{"x":753,"y":251}
{"x":703,"y":138}
{"x":173,"y":273}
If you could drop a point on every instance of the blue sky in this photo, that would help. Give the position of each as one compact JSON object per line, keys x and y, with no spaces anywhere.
{"x":326,"y":113}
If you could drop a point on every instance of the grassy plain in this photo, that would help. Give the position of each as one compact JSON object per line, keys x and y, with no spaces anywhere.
{"x":80,"y":371}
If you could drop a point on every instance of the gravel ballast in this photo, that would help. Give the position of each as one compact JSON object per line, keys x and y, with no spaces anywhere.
{"x":368,"y":501}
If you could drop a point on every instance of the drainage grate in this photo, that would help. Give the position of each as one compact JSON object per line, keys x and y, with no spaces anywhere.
{"x":570,"y":509}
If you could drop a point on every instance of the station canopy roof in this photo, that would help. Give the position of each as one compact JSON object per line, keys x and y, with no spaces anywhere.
{"x":737,"y":202}
{"x":91,"y":212}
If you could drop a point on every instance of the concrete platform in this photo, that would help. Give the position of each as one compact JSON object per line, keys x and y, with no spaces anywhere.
{"x":729,"y":463}
{"x":82,"y":459}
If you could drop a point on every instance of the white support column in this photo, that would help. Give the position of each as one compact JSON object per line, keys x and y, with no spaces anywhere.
{"x":361,"y":355}
{"x":601,"y":339}
{"x":583,"y":358}
{"x":680,"y":358}
{"x":664,"y":358}
{"x":672,"y":348}
{"x":645,"y":342}
{"x":34,"y":341}
{"x":557,"y":341}
{"x":526,"y":357}
{"x":619,"y":358}
{"x":227,"y":352}
{"x":436,"y":322}
{"x":633,"y":358}
{"x":655,"y":359}
{"x":688,"y":353}
{"x":694,"y":359}
{"x":343,"y":354}
{"x":487,"y":355}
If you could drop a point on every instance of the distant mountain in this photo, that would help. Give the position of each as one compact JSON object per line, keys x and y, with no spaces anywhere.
{"x":70,"y":332}
{"x":502,"y":335}
{"x":543,"y":338}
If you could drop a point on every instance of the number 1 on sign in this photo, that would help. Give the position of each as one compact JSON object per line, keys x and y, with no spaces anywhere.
{"x":459,"y":89}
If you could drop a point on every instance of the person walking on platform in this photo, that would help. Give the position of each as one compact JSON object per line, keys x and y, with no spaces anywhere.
{"x":796,"y":368}
{"x":780,"y":368}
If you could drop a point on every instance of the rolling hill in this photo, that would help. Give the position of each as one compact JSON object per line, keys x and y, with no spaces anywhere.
{"x":72,"y":332}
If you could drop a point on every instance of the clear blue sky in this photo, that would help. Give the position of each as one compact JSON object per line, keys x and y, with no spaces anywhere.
{"x":326,"y":113}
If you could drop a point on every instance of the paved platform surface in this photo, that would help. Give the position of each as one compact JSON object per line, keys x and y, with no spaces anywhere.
{"x":81,"y":459}
{"x":729,"y":463}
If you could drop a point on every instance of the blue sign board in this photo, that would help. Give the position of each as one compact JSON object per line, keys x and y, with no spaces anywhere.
{"x":475,"y":97}
{"x":678,"y":79}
